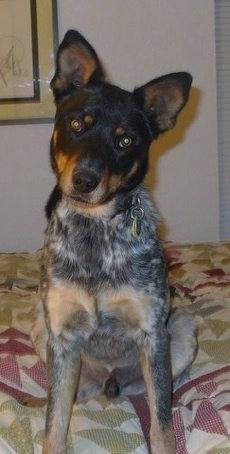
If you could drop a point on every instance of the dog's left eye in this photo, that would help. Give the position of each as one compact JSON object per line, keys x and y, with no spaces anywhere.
{"x":77,"y":124}
{"x":126,"y":142}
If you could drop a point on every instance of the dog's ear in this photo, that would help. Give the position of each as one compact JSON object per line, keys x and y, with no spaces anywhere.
{"x":77,"y":65}
{"x":163,"y":98}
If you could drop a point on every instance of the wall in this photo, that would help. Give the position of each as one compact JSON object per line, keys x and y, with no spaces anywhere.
{"x":137,"y":41}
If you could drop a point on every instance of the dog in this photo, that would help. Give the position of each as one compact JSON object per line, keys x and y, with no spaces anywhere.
{"x":103,"y":318}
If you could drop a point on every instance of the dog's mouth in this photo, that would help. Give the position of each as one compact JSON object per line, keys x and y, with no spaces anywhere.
{"x":86,"y":186}
{"x":82,"y":200}
{"x":91,"y":205}
{"x":89,"y":189}
{"x":91,"y":197}
{"x":85,"y":189}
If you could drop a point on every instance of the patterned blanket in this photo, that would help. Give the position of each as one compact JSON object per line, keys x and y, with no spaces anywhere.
{"x":200,"y":281}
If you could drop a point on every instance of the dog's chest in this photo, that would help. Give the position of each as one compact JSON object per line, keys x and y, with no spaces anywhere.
{"x":103,"y":281}
{"x":103,"y":324}
{"x":99,"y":254}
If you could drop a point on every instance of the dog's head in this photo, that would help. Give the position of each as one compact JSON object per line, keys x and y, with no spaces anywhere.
{"x":102,"y":133}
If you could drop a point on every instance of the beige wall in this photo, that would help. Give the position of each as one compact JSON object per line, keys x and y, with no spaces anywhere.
{"x":137,"y":41}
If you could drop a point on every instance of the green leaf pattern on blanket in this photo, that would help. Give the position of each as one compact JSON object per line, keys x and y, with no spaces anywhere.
{"x":111,"y":417}
{"x":105,"y":421}
{"x":219,"y":451}
{"x":6,"y":317}
{"x":218,"y":352}
{"x":218,"y":327}
{"x":114,"y":442}
{"x":39,"y":440}
{"x":14,"y":407}
{"x":19,"y":436}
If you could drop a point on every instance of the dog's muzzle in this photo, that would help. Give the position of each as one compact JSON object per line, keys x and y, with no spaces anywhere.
{"x":85,"y":182}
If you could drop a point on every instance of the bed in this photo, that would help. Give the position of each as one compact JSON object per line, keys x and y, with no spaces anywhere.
{"x":200,"y":282}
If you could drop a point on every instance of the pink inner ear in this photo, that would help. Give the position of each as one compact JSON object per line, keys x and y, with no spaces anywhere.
{"x":158,"y":104}
{"x":73,"y":66}
{"x":77,"y":77}
{"x":164,"y":100}
{"x":76,"y":66}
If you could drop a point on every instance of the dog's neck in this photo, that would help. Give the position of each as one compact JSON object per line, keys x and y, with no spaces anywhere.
{"x":121,"y":203}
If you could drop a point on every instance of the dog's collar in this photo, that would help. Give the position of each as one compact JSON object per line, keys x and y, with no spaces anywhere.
{"x":130,"y":207}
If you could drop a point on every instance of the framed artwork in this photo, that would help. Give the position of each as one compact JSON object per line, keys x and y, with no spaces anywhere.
{"x":28,"y":42}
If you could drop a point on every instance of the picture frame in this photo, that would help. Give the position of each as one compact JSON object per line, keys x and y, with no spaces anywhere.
{"x":28,"y":43}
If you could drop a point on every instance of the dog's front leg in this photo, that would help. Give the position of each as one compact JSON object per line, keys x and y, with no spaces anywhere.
{"x":63,"y":366}
{"x":155,"y":363}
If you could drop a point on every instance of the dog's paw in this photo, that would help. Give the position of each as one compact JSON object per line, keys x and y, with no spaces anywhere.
{"x":164,"y":444}
{"x":33,"y":401}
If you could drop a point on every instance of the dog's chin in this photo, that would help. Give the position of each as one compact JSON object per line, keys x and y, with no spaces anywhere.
{"x":88,"y":200}
{"x":91,"y":205}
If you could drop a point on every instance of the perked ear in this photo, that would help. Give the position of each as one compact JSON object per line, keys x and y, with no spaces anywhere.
{"x":76,"y":65}
{"x":163,"y":98}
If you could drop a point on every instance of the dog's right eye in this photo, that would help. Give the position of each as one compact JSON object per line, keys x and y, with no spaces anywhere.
{"x":77,"y":124}
{"x":126,"y":142}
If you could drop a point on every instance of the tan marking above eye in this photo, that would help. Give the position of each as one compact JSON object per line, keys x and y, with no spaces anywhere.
{"x":120,"y":131}
{"x":89,"y":119}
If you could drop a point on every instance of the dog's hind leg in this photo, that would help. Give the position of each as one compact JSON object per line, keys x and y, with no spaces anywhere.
{"x":39,"y":333}
{"x":155,"y":363}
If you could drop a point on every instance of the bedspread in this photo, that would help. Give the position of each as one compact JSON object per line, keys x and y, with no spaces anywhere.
{"x":200,"y":282}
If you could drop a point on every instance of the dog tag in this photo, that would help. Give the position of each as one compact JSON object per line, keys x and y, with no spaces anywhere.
{"x":137,"y":214}
{"x":135,"y":227}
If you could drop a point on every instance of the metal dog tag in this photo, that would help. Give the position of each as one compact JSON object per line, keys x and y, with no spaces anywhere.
{"x":137,"y":214}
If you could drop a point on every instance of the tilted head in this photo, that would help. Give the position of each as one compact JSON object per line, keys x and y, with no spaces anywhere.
{"x":102,"y":133}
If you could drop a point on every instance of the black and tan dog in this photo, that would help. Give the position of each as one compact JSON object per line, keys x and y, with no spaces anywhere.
{"x":104,"y":286}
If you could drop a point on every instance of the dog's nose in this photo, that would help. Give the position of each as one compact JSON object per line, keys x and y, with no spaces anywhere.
{"x":85,"y":182}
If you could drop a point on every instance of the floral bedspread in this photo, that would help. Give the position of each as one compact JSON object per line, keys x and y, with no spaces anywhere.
{"x":200,"y":281}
